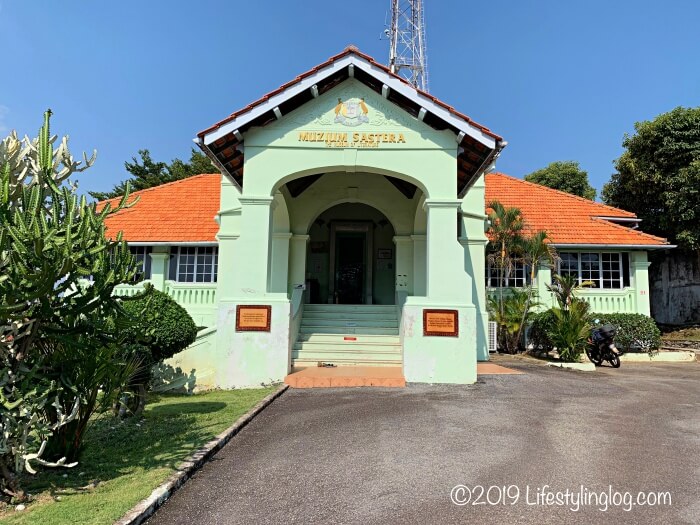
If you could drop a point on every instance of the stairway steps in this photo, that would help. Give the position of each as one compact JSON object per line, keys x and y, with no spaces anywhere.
{"x":356,"y":338}
{"x":348,"y":335}
{"x":348,"y":330}
{"x":351,"y":323}
{"x":373,"y":308}
{"x":349,"y":348}
{"x":303,"y":362}
{"x":359,"y":316}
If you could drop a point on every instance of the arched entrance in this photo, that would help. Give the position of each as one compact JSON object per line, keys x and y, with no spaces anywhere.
{"x":351,"y":258}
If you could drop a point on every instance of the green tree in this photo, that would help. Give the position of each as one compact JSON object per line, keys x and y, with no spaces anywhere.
{"x":564,"y":176}
{"x":658,"y":176}
{"x":146,"y":173}
{"x":51,"y":241}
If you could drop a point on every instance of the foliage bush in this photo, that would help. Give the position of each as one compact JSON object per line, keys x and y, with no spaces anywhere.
{"x":541,"y":325}
{"x":635,"y":331}
{"x":162,"y":328}
{"x":511,"y":314}
{"x":571,"y":330}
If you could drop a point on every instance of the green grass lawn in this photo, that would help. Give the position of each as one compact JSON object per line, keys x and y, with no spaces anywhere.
{"x":124,"y":462}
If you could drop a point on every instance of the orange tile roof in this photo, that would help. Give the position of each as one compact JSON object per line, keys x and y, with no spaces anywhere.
{"x":566,"y":218}
{"x":180,"y":211}
{"x":183,"y":211}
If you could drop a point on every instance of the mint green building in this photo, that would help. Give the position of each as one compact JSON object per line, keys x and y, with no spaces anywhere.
{"x":349,"y":227}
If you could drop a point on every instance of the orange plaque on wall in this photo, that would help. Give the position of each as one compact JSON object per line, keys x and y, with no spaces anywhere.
{"x":440,"y":322}
{"x":253,"y":318}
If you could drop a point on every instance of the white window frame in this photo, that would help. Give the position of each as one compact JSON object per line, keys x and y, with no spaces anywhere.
{"x":600,"y":279}
{"x":145,"y":252}
{"x":518,"y":266}
{"x":200,"y":252}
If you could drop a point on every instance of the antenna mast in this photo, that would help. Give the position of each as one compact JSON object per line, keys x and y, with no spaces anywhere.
{"x":407,"y":56}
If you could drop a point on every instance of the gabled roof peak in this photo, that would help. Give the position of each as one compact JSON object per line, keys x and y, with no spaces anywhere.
{"x":478,"y":144}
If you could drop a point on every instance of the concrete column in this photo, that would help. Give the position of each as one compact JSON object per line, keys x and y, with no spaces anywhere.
{"x":297,"y":260}
{"x":475,"y":265}
{"x":404,"y":270}
{"x":251,"y":257}
{"x":159,"y":268}
{"x":447,"y":279}
{"x":544,"y":277}
{"x":419,"y":260}
{"x":404,"y":263}
{"x":280,"y":262}
{"x":640,"y":273}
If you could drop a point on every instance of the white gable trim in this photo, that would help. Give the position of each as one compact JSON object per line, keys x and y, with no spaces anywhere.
{"x":352,"y":60}
{"x":276,"y":100}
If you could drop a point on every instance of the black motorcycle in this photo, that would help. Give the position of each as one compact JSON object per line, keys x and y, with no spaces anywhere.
{"x":601,"y":346}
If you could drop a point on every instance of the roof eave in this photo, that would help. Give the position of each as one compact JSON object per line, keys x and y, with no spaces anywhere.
{"x":605,"y":246}
{"x":235,"y":122}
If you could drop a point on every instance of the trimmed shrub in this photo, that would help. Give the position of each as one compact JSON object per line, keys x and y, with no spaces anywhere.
{"x":163,"y":329}
{"x":635,"y":331}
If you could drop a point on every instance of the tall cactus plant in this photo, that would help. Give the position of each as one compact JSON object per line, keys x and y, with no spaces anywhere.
{"x":51,"y":241}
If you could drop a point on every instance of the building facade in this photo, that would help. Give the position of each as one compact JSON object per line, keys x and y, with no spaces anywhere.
{"x":349,"y":227}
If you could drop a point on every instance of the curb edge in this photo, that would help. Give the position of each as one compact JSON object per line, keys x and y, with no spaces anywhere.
{"x":147,"y":507}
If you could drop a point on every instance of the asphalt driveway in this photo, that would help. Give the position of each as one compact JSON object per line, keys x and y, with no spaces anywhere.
{"x":394,"y":455}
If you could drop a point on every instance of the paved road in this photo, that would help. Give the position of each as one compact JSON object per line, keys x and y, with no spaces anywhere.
{"x":392,"y":456}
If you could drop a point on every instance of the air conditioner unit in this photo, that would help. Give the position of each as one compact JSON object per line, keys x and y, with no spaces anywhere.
{"x":493,"y":336}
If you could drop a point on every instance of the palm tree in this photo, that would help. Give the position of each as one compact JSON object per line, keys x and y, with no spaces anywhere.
{"x":535,"y":252}
{"x":505,"y":229}
{"x":564,"y":288}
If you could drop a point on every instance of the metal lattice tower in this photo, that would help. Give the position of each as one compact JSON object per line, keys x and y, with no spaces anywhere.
{"x":407,"y":56}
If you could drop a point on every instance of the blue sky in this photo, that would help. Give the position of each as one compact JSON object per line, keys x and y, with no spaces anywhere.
{"x":559,"y":80}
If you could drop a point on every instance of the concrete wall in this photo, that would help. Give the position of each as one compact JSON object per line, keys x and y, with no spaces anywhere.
{"x":675,"y":287}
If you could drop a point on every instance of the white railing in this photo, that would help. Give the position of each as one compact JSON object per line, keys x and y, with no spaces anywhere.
{"x":199,"y":299}
{"x":192,"y":294}
{"x":610,"y":301}
{"x":128,"y":290}
{"x":601,"y":301}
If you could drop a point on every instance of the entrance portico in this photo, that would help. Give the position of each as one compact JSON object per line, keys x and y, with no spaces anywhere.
{"x":348,"y":187}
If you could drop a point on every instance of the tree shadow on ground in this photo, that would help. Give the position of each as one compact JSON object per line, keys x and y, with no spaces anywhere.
{"x":161,"y":439}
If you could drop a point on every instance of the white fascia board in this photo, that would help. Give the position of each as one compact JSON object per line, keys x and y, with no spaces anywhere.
{"x":617,"y":219}
{"x":276,"y":100}
{"x":423,"y":101}
{"x":615,"y":246}
{"x":392,"y":82}
{"x":172,"y":243}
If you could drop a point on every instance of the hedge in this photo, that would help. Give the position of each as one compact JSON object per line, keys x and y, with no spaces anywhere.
{"x":635,"y":331}
{"x":164,"y":328}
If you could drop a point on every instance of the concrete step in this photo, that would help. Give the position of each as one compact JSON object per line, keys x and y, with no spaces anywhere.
{"x":355,"y":315}
{"x":347,"y":330}
{"x":356,"y":354}
{"x":355,"y":338}
{"x":375,"y":308}
{"x":351,"y":323}
{"x":312,"y":362}
{"x":347,"y":347}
